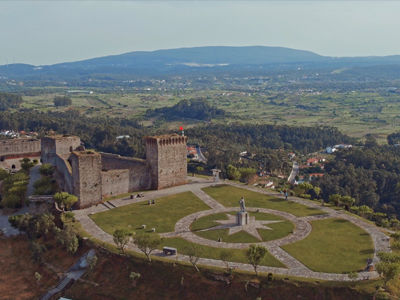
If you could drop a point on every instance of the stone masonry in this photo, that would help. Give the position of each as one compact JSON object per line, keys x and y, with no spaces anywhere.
{"x":19,"y":148}
{"x":166,"y":159}
{"x":91,"y":176}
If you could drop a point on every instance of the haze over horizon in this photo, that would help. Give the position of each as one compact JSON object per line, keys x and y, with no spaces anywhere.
{"x":45,"y":32}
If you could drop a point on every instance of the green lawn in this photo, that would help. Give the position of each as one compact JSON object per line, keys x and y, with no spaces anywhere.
{"x":162,"y":216}
{"x":211,"y":252}
{"x":334,"y":246}
{"x":229,"y":196}
{"x":280,"y":229}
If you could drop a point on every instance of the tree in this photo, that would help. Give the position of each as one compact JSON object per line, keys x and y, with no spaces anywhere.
{"x":19,"y":221}
{"x":225,"y":256}
{"x":387,"y":271}
{"x":348,"y":202}
{"x":121,"y":238}
{"x":62,"y":101}
{"x":92,"y":261}
{"x":38,"y":277}
{"x":11,"y":201}
{"x":147,"y":243}
{"x":69,"y":215}
{"x":246,"y":174}
{"x":46,"y":170}
{"x":199,"y":169}
{"x":335,"y":199}
{"x":194,"y":251}
{"x":26,"y":164}
{"x":364,"y":211}
{"x":255,"y":254}
{"x":67,"y":237}
{"x":65,"y":199}
{"x":40,"y":225}
{"x":389,"y":257}
{"x":134,"y":276}
{"x":396,"y":235}
{"x":37,"y":251}
{"x":233,"y":173}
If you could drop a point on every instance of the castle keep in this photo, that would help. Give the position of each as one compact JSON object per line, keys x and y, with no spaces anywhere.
{"x":91,"y":176}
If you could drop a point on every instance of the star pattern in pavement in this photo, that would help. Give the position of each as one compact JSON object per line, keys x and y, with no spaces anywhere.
{"x":250,"y":228}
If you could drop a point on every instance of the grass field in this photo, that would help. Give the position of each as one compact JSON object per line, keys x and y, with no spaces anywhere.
{"x":213,"y":253}
{"x":162,"y":216}
{"x":334,"y":246}
{"x":229,"y":196}
{"x":279,"y":230}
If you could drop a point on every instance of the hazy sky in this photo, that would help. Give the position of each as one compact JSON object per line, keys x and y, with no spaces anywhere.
{"x":47,"y":32}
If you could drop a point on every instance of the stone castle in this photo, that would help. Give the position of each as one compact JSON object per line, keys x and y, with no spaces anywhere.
{"x":91,"y":176}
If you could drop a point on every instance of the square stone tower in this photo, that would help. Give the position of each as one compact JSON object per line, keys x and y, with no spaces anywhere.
{"x":86,"y":177}
{"x":166,"y":160}
{"x":58,"y":145}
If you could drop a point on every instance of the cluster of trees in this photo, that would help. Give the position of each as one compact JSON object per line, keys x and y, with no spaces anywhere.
{"x":62,"y":101}
{"x":199,"y":109}
{"x":242,"y":174}
{"x":41,"y":225}
{"x":267,"y":136}
{"x":369,"y":174}
{"x":46,"y":184}
{"x":14,"y":188}
{"x":146,"y":243}
{"x":8,"y":100}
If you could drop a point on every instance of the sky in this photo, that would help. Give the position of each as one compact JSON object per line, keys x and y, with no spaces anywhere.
{"x":53,"y":31}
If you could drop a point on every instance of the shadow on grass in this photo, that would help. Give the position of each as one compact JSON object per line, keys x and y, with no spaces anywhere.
{"x":367,"y":251}
{"x":344,"y":221}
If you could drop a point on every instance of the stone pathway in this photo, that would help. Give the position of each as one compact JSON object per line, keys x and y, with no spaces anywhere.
{"x":182,"y":229}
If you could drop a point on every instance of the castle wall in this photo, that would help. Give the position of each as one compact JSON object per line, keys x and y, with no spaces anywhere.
{"x":139,"y":179}
{"x":86,"y":176}
{"x":64,"y":168}
{"x":117,"y":162}
{"x":115,"y":182}
{"x":19,"y":147}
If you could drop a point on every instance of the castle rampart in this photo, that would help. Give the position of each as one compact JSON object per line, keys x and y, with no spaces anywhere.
{"x":19,"y":148}
{"x":91,"y":176}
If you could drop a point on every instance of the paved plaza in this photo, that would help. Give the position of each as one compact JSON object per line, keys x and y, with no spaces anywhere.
{"x":182,"y":230}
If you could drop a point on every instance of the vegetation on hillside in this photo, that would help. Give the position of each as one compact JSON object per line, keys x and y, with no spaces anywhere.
{"x":8,"y":100}
{"x":199,"y":109}
{"x":369,"y":174}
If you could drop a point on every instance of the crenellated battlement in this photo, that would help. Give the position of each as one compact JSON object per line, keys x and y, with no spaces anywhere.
{"x":166,"y":140}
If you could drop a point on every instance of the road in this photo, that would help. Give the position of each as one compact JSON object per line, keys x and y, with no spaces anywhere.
{"x":200,"y":155}
{"x":295,"y":171}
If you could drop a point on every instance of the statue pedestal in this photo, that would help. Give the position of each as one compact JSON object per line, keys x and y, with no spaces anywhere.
{"x":242,"y":218}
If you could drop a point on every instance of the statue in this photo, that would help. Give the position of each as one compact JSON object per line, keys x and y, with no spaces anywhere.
{"x":242,"y":206}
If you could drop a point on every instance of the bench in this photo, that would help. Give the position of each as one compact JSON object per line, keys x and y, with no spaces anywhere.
{"x":170,"y":251}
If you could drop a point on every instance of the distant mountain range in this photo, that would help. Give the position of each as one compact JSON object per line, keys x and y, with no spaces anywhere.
{"x":218,"y":58}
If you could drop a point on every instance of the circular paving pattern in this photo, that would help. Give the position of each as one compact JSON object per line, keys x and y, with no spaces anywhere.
{"x":182,"y":228}
{"x":262,"y":227}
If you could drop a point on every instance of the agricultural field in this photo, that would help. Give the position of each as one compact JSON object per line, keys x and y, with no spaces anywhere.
{"x":355,"y":113}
